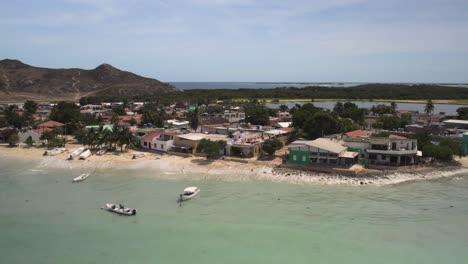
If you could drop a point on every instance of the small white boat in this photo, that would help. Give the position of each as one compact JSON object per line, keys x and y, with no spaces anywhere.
{"x":75,"y":153}
{"x":120,"y":209}
{"x":82,"y":177}
{"x":188,"y":193}
{"x":54,"y":151}
{"x":85,"y":154}
{"x":102,"y":151}
{"x":137,"y":156}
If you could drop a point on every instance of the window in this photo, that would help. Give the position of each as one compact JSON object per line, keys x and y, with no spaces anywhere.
{"x":162,"y":146}
{"x":146,"y":144}
{"x":383,"y":157}
{"x":372,"y":157}
{"x":303,"y":158}
{"x":294,"y":157}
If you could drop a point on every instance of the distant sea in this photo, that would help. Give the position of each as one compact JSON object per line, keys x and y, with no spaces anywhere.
{"x":268,"y":85}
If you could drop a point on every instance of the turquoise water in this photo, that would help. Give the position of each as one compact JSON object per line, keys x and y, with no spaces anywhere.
{"x":44,"y":218}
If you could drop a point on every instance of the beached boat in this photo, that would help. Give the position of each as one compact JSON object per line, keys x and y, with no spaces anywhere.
{"x":102,"y":151}
{"x":85,"y":154}
{"x":137,"y":156}
{"x":120,"y":209}
{"x":75,"y":153}
{"x":188,"y":193}
{"x":54,"y":151}
{"x":82,"y":177}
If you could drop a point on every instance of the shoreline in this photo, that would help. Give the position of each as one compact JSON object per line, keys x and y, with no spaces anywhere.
{"x":198,"y":168}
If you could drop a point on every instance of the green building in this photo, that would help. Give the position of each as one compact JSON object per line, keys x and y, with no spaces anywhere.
{"x":465,"y":143}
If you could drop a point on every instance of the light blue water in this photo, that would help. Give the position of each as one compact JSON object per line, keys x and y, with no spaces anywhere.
{"x":44,"y":218}
{"x":266,"y":85}
{"x":446,"y":108}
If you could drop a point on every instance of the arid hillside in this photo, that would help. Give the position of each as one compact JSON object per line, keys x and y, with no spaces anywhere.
{"x":19,"y":81}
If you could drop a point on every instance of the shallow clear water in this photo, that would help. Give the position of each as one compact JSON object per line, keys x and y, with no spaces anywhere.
{"x":44,"y":218}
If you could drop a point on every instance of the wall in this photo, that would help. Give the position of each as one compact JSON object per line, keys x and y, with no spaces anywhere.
{"x":299,"y":157}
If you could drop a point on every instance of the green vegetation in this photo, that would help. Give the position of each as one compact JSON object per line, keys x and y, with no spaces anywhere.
{"x":13,"y":140}
{"x":30,"y":107}
{"x":392,"y":122}
{"x":52,"y":138}
{"x":270,"y":146}
{"x":444,"y":151}
{"x":313,"y":123}
{"x":211,"y":148}
{"x":152,"y":114}
{"x":256,"y":113}
{"x":361,"y":92}
{"x":119,"y":136}
{"x":193,"y":118}
{"x":429,"y":108}
{"x":462,"y":113}
{"x":29,"y":142}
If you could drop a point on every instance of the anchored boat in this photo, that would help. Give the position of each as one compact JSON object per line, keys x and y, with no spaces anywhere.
{"x":120,"y":209}
{"x":82,"y":177}
{"x":188,"y":193}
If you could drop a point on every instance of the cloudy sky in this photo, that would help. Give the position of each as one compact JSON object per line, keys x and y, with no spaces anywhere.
{"x":245,"y":40}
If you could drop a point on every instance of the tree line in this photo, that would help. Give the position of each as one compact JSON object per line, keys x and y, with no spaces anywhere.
{"x":360,"y":92}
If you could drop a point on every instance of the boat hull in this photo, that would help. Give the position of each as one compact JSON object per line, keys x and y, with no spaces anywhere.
{"x":114,"y":208}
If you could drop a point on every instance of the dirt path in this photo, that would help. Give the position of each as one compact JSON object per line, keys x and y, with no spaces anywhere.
{"x":76,"y":81}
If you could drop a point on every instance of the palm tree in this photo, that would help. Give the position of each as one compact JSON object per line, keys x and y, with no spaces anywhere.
{"x":429,"y":108}
{"x":194,"y":119}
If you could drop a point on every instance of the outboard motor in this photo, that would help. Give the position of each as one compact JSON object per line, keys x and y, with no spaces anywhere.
{"x":133,"y":212}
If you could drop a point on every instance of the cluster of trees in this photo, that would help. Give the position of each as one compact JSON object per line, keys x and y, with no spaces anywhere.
{"x":53,"y":138}
{"x":351,"y":111}
{"x":153,"y":114}
{"x":211,"y":148}
{"x":270,"y":146}
{"x":256,"y":113}
{"x":312,"y":123}
{"x":119,"y":136}
{"x":12,"y":117}
{"x":445,"y":150}
{"x":392,"y":122}
{"x":363,"y":92}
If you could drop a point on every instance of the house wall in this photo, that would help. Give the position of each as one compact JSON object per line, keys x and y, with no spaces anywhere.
{"x":35,"y":136}
{"x":299,"y":157}
{"x":185,"y":142}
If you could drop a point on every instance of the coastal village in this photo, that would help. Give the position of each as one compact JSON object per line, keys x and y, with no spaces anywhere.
{"x":347,"y":140}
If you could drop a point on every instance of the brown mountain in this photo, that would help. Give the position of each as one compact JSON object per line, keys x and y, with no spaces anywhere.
{"x":19,"y":81}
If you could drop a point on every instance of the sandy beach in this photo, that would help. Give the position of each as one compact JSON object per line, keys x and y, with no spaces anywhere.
{"x":175,"y":167}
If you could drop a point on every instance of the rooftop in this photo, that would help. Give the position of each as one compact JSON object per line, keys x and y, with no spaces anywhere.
{"x":358,"y":133}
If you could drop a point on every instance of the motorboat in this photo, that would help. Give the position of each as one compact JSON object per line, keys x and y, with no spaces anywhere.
{"x":82,"y":177}
{"x":188,"y":193}
{"x":137,"y":156}
{"x":86,"y":154}
{"x":120,"y":209}
{"x":54,"y":151}
{"x":76,"y":153}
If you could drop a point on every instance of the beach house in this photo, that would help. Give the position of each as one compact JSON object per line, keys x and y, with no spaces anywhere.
{"x":158,"y":140}
{"x":321,"y":151}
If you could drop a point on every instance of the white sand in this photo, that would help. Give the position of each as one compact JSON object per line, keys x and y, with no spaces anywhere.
{"x":174,"y":167}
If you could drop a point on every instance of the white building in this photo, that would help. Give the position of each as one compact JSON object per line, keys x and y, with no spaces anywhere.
{"x":160,"y":141}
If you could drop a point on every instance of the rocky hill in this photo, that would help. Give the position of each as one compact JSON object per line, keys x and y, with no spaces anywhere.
{"x":19,"y":81}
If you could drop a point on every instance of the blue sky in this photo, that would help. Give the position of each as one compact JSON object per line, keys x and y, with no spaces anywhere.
{"x":245,"y":40}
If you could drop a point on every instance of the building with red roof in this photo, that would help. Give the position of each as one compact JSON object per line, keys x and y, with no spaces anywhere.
{"x":51,"y":124}
{"x":358,"y":134}
{"x":159,"y":140}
